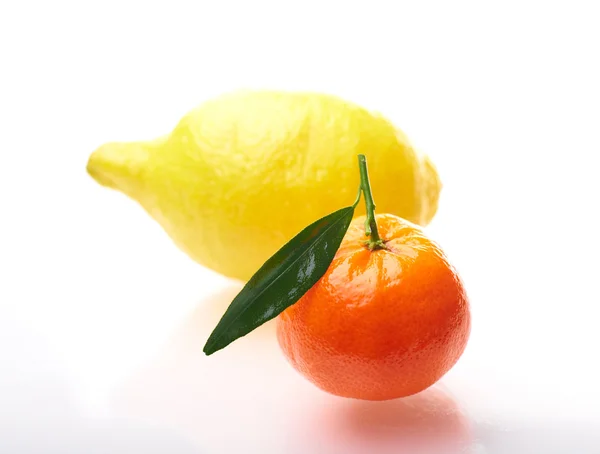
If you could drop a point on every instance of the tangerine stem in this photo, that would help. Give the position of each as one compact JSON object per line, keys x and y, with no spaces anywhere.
{"x":374,"y":242}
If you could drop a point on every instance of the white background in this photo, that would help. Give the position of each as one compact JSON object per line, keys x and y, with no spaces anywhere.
{"x":102,"y":319}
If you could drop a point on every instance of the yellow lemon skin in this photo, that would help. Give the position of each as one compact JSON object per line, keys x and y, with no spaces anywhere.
{"x":243,"y":173}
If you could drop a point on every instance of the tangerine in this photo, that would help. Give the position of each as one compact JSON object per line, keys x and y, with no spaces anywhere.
{"x":380,"y":324}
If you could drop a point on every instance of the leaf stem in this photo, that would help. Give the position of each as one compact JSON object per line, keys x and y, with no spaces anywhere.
{"x":374,"y":242}
{"x":357,"y":196}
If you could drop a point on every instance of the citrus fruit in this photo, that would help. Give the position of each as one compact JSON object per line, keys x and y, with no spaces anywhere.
{"x":381,"y":323}
{"x":241,"y":174}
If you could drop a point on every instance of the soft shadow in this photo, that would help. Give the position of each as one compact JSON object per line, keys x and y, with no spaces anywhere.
{"x":196,"y":328}
{"x":423,"y":423}
{"x":182,"y":387}
{"x":246,"y":397}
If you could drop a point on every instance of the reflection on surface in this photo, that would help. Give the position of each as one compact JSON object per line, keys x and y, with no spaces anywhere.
{"x":247,"y":398}
{"x":422,"y":423}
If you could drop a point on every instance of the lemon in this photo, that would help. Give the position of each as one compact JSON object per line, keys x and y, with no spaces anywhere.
{"x":243,"y":173}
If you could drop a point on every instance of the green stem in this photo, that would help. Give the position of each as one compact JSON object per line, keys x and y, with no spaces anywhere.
{"x":374,"y":242}
{"x":357,"y":196}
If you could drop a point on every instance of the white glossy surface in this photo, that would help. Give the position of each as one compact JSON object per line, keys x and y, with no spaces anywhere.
{"x":102,"y":320}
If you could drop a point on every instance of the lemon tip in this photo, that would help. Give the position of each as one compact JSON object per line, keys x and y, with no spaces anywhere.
{"x":94,"y":168}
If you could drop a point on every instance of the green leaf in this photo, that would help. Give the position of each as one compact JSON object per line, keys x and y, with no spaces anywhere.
{"x":283,"y":279}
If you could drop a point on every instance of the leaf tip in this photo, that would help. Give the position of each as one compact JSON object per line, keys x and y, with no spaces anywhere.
{"x":209,"y":348}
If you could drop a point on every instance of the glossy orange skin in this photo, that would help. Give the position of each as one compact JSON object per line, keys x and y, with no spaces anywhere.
{"x":379,"y":324}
